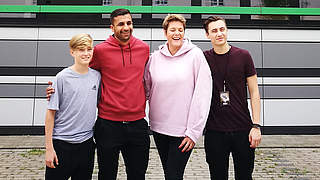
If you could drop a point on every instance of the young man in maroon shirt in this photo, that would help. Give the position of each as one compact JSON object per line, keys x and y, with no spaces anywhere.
{"x":229,"y":127}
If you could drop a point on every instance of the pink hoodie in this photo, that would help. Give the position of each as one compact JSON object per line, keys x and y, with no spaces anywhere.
{"x":179,"y":90}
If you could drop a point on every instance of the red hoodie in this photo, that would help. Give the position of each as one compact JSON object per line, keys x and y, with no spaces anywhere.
{"x":121,"y":68}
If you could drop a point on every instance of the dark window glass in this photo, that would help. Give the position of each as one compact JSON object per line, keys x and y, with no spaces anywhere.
{"x":270,"y":3}
{"x":273,"y":3}
{"x":69,"y":19}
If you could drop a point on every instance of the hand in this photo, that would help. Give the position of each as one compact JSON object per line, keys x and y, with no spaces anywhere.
{"x":51,"y":157}
{"x":49,"y":90}
{"x":254,"y":137}
{"x":187,"y":143}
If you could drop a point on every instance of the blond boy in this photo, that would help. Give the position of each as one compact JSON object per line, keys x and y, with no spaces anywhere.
{"x":71,"y":116}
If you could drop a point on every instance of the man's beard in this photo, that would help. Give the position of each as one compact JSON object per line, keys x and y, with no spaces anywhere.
{"x":121,"y":38}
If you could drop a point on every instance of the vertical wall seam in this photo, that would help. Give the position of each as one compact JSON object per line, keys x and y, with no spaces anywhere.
{"x":262,"y":71}
{"x":35,"y":77}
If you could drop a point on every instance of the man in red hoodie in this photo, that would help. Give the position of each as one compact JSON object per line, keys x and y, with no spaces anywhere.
{"x":120,"y":125}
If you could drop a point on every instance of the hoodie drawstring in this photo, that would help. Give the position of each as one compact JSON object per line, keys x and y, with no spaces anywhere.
{"x":122,"y":56}
{"x":123,"y":63}
{"x":130,"y":53}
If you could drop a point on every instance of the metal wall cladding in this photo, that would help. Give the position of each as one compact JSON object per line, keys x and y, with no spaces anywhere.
{"x":54,"y":54}
{"x":291,"y":55}
{"x":284,"y":101}
{"x":18,"y":53}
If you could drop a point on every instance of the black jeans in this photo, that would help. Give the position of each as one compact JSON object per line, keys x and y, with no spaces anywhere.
{"x":219,"y":145}
{"x":131,"y":138}
{"x":75,"y":161}
{"x":173,"y":160}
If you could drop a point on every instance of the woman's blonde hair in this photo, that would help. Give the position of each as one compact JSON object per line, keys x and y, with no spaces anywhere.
{"x":173,"y":17}
{"x":81,"y":41}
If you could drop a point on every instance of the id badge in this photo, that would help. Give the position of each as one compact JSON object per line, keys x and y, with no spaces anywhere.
{"x":224,"y":98}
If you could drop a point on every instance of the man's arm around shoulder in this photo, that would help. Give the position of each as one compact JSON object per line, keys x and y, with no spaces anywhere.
{"x":51,"y":155}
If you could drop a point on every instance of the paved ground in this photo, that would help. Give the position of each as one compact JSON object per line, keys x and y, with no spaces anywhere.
{"x":278,"y":157}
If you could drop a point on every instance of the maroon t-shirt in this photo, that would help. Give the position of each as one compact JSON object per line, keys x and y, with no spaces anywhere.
{"x":233,"y":67}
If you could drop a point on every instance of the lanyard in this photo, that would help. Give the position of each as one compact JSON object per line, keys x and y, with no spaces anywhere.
{"x":226,"y":70}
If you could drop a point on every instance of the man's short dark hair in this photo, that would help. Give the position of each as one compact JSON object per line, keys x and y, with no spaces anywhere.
{"x":212,"y":19}
{"x":118,"y":12}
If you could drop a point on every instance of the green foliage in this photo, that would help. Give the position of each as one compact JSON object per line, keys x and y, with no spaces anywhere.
{"x":36,"y":152}
{"x":33,"y":152}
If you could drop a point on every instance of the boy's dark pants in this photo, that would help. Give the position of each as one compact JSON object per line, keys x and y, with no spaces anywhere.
{"x":218,"y":146}
{"x":75,"y":161}
{"x":131,"y":138}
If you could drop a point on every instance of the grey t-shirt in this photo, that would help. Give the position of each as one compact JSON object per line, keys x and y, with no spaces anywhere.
{"x":75,"y":102}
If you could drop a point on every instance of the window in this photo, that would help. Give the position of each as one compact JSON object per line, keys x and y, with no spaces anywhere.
{"x":170,"y":3}
{"x":225,"y":3}
{"x":309,"y":4}
{"x":270,"y":3}
{"x":107,"y":2}
{"x":214,"y":3}
{"x":121,"y":3}
{"x":160,"y":3}
{"x":304,"y":4}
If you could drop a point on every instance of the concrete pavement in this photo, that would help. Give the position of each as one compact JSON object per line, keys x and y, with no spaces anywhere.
{"x":278,"y":157}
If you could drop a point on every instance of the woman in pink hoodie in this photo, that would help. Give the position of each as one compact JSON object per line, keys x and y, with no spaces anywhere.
{"x":179,"y":88}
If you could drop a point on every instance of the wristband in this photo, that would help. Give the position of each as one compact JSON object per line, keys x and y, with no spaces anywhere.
{"x":256,"y":126}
